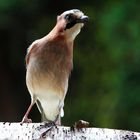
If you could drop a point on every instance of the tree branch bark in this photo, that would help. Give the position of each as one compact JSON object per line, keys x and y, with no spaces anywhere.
{"x":37,"y":131}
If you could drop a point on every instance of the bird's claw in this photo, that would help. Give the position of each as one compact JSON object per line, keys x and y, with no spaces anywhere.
{"x":26,"y":120}
{"x":46,"y":125}
{"x":43,"y":129}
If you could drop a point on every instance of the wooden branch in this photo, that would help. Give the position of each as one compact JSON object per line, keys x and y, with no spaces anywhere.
{"x":37,"y":131}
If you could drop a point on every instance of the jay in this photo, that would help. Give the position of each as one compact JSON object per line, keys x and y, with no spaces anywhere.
{"x":49,"y":62}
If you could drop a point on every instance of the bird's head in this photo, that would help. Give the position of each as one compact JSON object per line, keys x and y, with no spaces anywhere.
{"x":70,"y":23}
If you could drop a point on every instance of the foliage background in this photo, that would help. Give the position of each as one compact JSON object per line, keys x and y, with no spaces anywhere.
{"x":104,"y":87}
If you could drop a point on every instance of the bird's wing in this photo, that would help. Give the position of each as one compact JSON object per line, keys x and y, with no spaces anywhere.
{"x":32,"y":48}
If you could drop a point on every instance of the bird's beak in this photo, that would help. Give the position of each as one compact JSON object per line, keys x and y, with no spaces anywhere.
{"x":82,"y":19}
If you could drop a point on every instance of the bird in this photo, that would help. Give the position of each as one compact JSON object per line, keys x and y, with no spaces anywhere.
{"x":49,"y":62}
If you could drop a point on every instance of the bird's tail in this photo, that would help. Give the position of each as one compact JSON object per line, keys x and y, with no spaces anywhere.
{"x":43,"y":117}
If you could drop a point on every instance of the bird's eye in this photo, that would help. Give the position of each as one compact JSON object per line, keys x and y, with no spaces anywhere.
{"x":69,"y":17}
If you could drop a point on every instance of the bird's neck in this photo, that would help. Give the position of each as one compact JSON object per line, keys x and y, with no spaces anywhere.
{"x":60,"y":34}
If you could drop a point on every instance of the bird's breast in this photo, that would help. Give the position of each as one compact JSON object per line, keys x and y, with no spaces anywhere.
{"x":48,"y":70}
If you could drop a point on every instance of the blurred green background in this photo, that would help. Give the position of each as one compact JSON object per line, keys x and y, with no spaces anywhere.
{"x":104,"y":88}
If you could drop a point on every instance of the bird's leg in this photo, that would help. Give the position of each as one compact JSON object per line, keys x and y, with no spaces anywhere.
{"x":58,"y":120}
{"x":25,"y":118}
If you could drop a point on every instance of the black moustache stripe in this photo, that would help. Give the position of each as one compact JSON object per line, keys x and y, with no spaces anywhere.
{"x":70,"y":24}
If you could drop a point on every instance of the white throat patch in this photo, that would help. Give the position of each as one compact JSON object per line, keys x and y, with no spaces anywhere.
{"x":74,"y":31}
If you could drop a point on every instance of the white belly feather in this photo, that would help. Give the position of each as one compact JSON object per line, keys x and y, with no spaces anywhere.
{"x":51,"y":103}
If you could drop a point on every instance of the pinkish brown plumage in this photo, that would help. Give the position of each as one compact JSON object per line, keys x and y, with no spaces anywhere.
{"x":49,"y":63}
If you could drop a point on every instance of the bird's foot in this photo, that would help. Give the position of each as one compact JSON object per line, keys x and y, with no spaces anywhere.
{"x":26,"y":120}
{"x":42,"y":130}
{"x":46,"y":125}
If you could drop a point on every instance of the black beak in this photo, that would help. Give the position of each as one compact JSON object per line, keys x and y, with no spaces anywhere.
{"x":82,"y":19}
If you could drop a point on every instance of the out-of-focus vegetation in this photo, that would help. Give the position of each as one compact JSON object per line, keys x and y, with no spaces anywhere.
{"x":104,"y":87}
